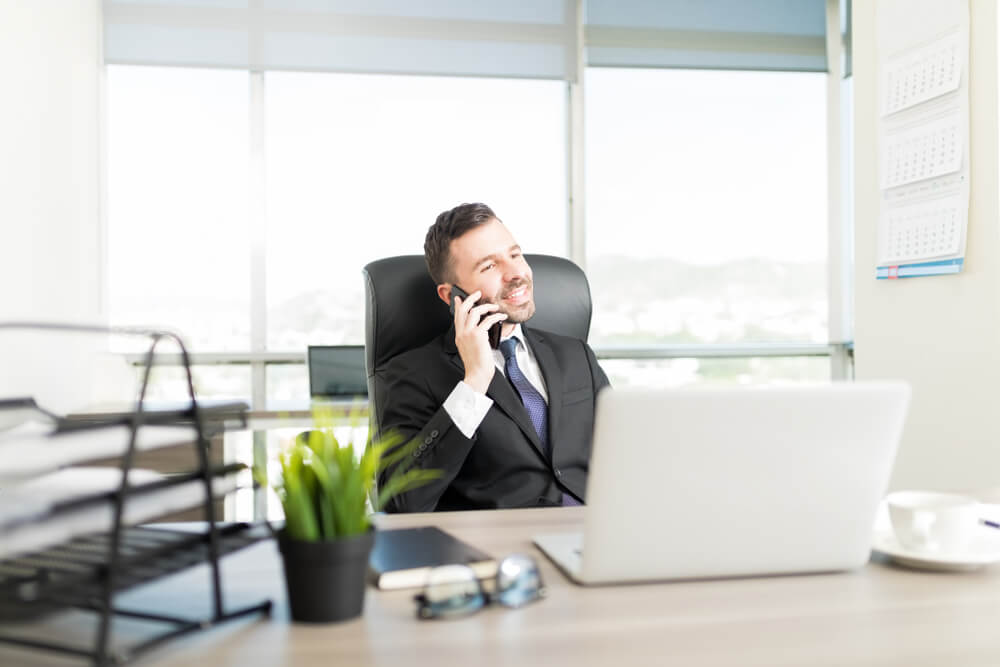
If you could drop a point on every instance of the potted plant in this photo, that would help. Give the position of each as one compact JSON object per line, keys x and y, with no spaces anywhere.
{"x":327,"y":493}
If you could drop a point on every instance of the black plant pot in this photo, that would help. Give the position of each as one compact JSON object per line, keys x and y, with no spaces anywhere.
{"x":326,"y":580}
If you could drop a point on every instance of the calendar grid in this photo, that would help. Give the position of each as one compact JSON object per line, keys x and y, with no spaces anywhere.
{"x":923,"y":75}
{"x":923,"y":231}
{"x":923,"y":157}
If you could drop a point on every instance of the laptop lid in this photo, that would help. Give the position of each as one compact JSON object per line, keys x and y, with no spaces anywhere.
{"x":736,"y":481}
{"x":337,"y":371}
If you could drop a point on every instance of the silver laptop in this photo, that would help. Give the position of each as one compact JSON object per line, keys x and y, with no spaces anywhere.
{"x":728,"y":482}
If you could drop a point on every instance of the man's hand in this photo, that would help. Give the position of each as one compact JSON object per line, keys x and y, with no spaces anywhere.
{"x":471,"y":324}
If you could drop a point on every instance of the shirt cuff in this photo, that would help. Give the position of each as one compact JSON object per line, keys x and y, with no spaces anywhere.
{"x":467,"y":408}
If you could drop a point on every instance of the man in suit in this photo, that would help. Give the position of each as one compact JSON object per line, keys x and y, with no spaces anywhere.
{"x":506,"y":427}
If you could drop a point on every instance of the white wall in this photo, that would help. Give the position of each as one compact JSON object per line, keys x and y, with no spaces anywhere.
{"x":51,"y":257}
{"x":942,"y":334}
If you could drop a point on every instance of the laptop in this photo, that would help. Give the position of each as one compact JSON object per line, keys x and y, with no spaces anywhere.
{"x":337,"y":373}
{"x":728,"y":482}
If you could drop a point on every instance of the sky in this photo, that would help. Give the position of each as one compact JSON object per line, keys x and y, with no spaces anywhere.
{"x":706,"y":166}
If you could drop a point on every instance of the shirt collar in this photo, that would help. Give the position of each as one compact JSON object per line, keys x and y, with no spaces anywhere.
{"x":517,"y":334}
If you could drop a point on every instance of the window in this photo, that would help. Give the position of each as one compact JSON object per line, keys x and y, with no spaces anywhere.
{"x":178,"y":248}
{"x":705,"y":192}
{"x":658,"y":373}
{"x":706,"y":207}
{"x":169,"y":383}
{"x":359,"y":166}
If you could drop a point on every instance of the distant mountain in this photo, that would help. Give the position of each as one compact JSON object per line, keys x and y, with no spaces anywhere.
{"x":643,"y":301}
{"x":635,"y":301}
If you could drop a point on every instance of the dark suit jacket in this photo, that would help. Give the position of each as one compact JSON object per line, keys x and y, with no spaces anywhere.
{"x":504,"y":464}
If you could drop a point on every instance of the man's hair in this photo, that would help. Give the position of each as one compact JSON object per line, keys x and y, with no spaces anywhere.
{"x":449,"y":226}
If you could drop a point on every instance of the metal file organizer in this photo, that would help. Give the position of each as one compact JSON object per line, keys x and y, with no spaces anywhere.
{"x":87,"y":572}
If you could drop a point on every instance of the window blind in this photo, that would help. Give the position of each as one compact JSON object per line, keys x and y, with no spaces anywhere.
{"x":536,"y":39}
{"x":460,"y":37}
{"x":707,"y":34}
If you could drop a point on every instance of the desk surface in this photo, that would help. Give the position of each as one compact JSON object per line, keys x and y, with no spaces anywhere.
{"x":879,"y":615}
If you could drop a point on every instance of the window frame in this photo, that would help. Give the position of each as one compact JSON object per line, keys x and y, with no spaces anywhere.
{"x":839,"y":347}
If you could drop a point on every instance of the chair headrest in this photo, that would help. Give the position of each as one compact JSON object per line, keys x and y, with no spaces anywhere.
{"x":403,"y":311}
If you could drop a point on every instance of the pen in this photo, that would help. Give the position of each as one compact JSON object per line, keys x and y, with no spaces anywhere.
{"x":991,"y":524}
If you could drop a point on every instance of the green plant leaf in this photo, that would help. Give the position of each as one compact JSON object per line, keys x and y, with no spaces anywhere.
{"x":398,"y":454}
{"x":326,"y":490}
{"x":324,"y":499}
{"x":300,"y":518}
{"x":398,"y":484}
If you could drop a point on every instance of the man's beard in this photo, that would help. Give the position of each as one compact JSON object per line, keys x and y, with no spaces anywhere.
{"x":520,"y":313}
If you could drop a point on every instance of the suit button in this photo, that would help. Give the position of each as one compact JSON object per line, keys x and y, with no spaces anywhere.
{"x":422,"y":447}
{"x":434,"y":434}
{"x":416,"y":455}
{"x":558,"y":473}
{"x":428,"y":440}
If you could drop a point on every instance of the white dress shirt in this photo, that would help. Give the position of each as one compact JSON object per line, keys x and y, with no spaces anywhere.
{"x":467,"y":407}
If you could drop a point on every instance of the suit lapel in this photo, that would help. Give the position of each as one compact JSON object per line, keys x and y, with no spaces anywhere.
{"x":505,"y":397}
{"x":501,"y":393}
{"x":552,"y":374}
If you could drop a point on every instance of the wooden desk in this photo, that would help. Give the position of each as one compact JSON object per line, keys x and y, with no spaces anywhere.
{"x":879,"y":615}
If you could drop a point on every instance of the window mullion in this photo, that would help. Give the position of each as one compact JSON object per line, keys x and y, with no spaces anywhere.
{"x":258,"y":239}
{"x":576,"y":229}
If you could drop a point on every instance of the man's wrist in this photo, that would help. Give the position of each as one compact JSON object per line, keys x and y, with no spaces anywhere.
{"x":467,"y":408}
{"x":479,"y":382}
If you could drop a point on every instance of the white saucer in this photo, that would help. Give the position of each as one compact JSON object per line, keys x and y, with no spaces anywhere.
{"x":984,"y":550}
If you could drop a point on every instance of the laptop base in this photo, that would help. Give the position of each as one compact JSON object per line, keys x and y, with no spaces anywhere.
{"x":565,"y":550}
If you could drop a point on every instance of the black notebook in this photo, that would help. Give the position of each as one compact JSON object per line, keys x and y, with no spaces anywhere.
{"x":403,"y":558}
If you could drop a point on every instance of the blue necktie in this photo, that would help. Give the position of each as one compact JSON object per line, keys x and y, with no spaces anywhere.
{"x":533,"y":401}
{"x":537,"y":409}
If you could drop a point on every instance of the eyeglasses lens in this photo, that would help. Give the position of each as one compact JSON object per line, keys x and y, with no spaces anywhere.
{"x":518,"y":581}
{"x":451,"y":590}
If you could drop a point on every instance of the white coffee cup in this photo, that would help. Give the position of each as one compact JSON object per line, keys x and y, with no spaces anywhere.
{"x":933,"y":522}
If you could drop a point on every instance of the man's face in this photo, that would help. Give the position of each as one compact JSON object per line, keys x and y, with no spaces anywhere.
{"x":488,"y":259}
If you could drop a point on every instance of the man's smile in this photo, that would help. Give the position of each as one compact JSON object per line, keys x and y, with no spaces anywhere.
{"x":517,"y":297}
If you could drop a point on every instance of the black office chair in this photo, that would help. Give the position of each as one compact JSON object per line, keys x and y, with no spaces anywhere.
{"x":403,"y":311}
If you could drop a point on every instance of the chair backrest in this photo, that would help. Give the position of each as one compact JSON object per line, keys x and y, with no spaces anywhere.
{"x":403,"y":311}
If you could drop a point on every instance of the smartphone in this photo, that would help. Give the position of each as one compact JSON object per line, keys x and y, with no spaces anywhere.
{"x":494,"y":331}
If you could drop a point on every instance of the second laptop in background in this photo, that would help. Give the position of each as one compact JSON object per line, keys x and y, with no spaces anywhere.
{"x":337,"y":373}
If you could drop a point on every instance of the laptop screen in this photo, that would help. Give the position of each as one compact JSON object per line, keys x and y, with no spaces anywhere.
{"x":337,"y":371}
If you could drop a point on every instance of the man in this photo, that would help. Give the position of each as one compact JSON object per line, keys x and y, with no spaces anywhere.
{"x":485,"y":417}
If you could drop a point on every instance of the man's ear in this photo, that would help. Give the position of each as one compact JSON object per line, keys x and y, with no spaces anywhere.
{"x":444,"y":292}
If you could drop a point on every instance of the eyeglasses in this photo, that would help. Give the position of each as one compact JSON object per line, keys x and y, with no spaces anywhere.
{"x":454,"y":590}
